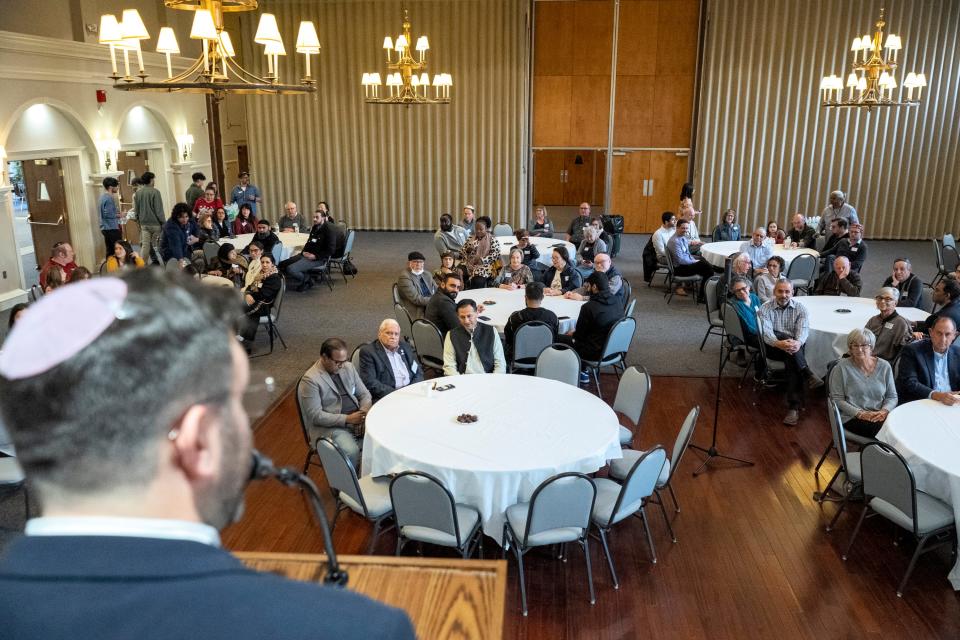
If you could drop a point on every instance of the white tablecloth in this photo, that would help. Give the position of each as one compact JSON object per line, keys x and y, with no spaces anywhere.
{"x":509,"y":301}
{"x":829,"y":329}
{"x":217,"y":281}
{"x":543,"y":245}
{"x":716,"y":253}
{"x":292,"y":242}
{"x":528,"y":430}
{"x":927,"y":434}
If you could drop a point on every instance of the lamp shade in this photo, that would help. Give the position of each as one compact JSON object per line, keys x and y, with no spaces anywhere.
{"x":132,"y":27}
{"x":422,"y":43}
{"x":267,"y":30}
{"x":424,"y":79}
{"x":203,"y":27}
{"x":862,"y":84}
{"x":274,"y":48}
{"x":400,"y":43}
{"x":852,"y":80}
{"x":109,"y":30}
{"x":866,"y":43}
{"x":893,"y":42}
{"x":307,"y":40}
{"x":375,"y":79}
{"x":225,"y":46}
{"x":921,"y":79}
{"x":388,"y":43}
{"x":884,"y":79}
{"x":167,"y":41}
{"x":856,"y":46}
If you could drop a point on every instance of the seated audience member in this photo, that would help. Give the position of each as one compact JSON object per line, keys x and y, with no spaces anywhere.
{"x":530,"y":253}
{"x":906,"y":282}
{"x":596,"y":317}
{"x":838,"y":232}
{"x":577,"y":225}
{"x":661,"y":236}
{"x":540,"y":225}
{"x":80,"y":273}
{"x":862,"y":386}
{"x":603,"y":264}
{"x":479,"y":254}
{"x":561,"y":277}
{"x":123,"y":256}
{"x":740,"y":266}
{"x":447,"y":261}
{"x":684,"y":262}
{"x":469,"y":220}
{"x":746,"y":304}
{"x":442,"y":308}
{"x":221,"y":224}
{"x":688,"y":213}
{"x":946,"y":295}
{"x":259,"y":298}
{"x":449,"y":237}
{"x":515,"y":275}
{"x":245,"y":222}
{"x":333,"y":399}
{"x":209,"y":203}
{"x":177,"y":235}
{"x":838,"y":209}
{"x":853,"y":247}
{"x":931,"y":368}
{"x":206,"y":231}
{"x":801,"y":234}
{"x":62,"y":259}
{"x":264,"y":236}
{"x":16,"y":311}
{"x":319,"y":248}
{"x":785,"y":327}
{"x":841,"y":281}
{"x":292,"y":219}
{"x":253,"y":267}
{"x":758,"y":248}
{"x":414,"y":287}
{"x":389,"y":362}
{"x":774,"y":233}
{"x":471,"y":346}
{"x":132,"y":516}
{"x":728,"y":230}
{"x":55,"y":280}
{"x":533,"y":298}
{"x":597,"y":223}
{"x":765,"y":282}
{"x":591,"y":245}
{"x":229,"y":264}
{"x":890,"y":329}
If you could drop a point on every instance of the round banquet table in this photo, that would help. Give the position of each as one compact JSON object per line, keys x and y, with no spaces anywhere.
{"x":506,"y":302}
{"x":829,"y":328}
{"x":927,"y":434}
{"x":544,"y":246}
{"x":716,"y":253}
{"x":523,"y":436}
{"x":292,"y":242}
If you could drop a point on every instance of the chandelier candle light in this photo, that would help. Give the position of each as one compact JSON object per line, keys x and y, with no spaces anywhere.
{"x":876,"y":80}
{"x":216,"y":71}
{"x":404,"y":85}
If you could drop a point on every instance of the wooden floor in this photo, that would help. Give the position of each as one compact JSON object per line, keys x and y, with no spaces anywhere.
{"x":752,"y":560}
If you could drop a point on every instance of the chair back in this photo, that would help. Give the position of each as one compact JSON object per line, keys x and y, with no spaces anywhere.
{"x":886,"y":475}
{"x":926,"y":298}
{"x":303,"y":422}
{"x":619,"y":339}
{"x":949,"y":240}
{"x":937,"y":255}
{"x":731,"y":323}
{"x":403,"y":319}
{"x":396,"y":293}
{"x":803,"y":267}
{"x":669,"y":258}
{"x":502,"y":229}
{"x":420,"y":500}
{"x":210,"y":251}
{"x":683,"y":439}
{"x":639,"y":484}
{"x":341,"y":476}
{"x":559,"y":362}
{"x":950,"y":258}
{"x":278,"y":301}
{"x":564,"y":500}
{"x":711,"y":291}
{"x":355,"y":356}
{"x":763,"y":345}
{"x":429,"y":343}
{"x":529,"y":340}
{"x":630,"y":307}
{"x":837,"y":431}
{"x":348,"y":247}
{"x":820,"y":243}
{"x":626,"y":291}
{"x":632,"y":394}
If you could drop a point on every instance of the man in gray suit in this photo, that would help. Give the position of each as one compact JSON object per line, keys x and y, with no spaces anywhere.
{"x":333,"y":399}
{"x":389,"y":362}
{"x":415,"y":286}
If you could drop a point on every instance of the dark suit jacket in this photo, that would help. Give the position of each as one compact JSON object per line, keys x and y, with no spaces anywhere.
{"x":120,"y":588}
{"x":376,"y":372}
{"x":915,"y":375}
{"x":442,"y":311}
{"x":831,"y":285}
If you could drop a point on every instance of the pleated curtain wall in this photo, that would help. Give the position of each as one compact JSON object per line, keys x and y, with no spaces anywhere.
{"x":390,"y":166}
{"x":767,"y":148}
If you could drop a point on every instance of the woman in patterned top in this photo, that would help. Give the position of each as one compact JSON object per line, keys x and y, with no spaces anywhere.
{"x":479,"y":253}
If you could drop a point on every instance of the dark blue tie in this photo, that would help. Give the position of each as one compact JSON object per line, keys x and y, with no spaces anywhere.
{"x":423,"y":286}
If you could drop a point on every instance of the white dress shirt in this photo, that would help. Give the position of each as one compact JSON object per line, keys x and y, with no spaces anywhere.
{"x":399,"y":366}
{"x":124,"y":527}
{"x":474,"y":365}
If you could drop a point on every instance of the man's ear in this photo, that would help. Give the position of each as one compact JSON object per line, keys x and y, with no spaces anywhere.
{"x":197,"y":443}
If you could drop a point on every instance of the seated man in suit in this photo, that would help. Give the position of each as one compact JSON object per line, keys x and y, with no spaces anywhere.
{"x":931,"y":368}
{"x":442,"y":307}
{"x":127,"y":542}
{"x":415,"y":286}
{"x":334,"y":400}
{"x":389,"y":362}
{"x":532,"y":312}
{"x":841,"y":281}
{"x":472,"y":347}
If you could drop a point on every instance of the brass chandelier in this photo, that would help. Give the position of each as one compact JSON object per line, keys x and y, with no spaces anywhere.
{"x":876,"y":82}
{"x":404,"y":85}
{"x":216,"y":70}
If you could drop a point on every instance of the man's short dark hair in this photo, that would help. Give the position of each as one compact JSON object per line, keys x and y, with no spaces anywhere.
{"x":263,"y":221}
{"x":179,"y":209}
{"x":415,"y":255}
{"x":681,"y":221}
{"x":110,"y":182}
{"x":951,"y":286}
{"x":332,"y":345}
{"x":599,"y":280}
{"x":453,"y":275}
{"x":147,"y":177}
{"x":102,"y":428}
{"x":534,"y":291}
{"x":466,"y":302}
{"x":445,"y":217}
{"x":666,"y":216}
{"x":841,"y":222}
{"x":198,"y":176}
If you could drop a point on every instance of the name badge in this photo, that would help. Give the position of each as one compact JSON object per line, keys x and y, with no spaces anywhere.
{"x":413,"y":367}
{"x":888,"y":325}
{"x":854,"y":249}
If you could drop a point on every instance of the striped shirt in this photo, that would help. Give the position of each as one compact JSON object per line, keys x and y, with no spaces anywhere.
{"x":790,"y":319}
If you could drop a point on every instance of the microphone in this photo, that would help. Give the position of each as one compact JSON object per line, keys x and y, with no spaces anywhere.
{"x":263,"y":468}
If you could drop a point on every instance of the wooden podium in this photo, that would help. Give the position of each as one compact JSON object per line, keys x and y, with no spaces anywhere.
{"x":445,"y":598}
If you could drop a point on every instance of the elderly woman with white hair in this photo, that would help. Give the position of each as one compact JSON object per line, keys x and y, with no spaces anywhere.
{"x":862,"y":386}
{"x":590,"y":247}
{"x":890,"y":329}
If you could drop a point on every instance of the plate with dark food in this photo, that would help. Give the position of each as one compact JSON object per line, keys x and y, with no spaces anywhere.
{"x":489,"y":302}
{"x":466,"y":418}
{"x":841,"y":310}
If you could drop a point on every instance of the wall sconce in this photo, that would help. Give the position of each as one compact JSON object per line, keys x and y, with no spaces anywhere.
{"x":108,"y":150}
{"x":185,"y":146}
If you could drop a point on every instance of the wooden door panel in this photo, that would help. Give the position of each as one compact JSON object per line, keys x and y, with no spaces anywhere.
{"x":672,"y":111}
{"x":590,"y":107}
{"x":552,"y":111}
{"x":133,"y":164}
{"x":548,"y":177}
{"x":626,"y":195}
{"x":593,"y":37}
{"x":47,"y":204}
{"x":553,"y":50}
{"x":633,"y":118}
{"x":599,"y":179}
{"x":578,"y":185}
{"x":678,"y":27}
{"x":668,"y":172}
{"x":637,"y":44}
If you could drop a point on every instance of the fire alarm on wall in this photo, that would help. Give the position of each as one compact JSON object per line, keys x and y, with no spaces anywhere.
{"x":101,"y":96}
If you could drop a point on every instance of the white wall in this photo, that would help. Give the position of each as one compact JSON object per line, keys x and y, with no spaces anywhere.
{"x":40,"y":128}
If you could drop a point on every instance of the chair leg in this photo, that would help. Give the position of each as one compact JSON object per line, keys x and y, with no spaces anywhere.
{"x":373,"y":538}
{"x":400,"y":544}
{"x":646,"y":527}
{"x":606,"y":552}
{"x":279,"y":337}
{"x":596,"y":379}
{"x":856,"y":530}
{"x":586,"y":556}
{"x":823,"y":458}
{"x":663,"y":510}
{"x":826,"y":490}
{"x":705,"y":338}
{"x":913,"y":562}
{"x":836,"y":516}
{"x":523,"y":585}
{"x":676,"y":505}
{"x":336,"y":515}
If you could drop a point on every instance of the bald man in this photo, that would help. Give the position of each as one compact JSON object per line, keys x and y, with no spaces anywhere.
{"x":291,"y":219}
{"x":841,"y":281}
{"x":389,"y":362}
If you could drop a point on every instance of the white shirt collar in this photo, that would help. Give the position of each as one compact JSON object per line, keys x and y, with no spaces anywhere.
{"x":124,"y":527}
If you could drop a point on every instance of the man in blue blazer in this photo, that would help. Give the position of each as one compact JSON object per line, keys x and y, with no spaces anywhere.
{"x":136,"y":472}
{"x":931,"y":368}
{"x":389,"y":362}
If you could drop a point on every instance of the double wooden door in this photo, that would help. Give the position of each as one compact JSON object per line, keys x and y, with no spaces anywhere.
{"x":568,"y":177}
{"x":645,"y":184}
{"x":46,"y":204}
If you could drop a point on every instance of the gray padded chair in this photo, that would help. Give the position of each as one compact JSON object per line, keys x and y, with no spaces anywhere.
{"x":615,"y":349}
{"x":673,"y":280}
{"x":272,"y":319}
{"x":849,"y":462}
{"x":210,"y":251}
{"x":368,"y":497}
{"x":938,"y":262}
{"x":558,"y":512}
{"x":429,"y":343}
{"x":625,"y":293}
{"x":559,"y":362}
{"x":396,"y":294}
{"x":615,"y":502}
{"x":734,"y":330}
{"x":631,"y":400}
{"x":926,"y":298}
{"x":405,"y":322}
{"x":891,"y":491}
{"x":949,"y":240}
{"x":530,"y":339}
{"x":802,"y":272}
{"x":425,"y":511}
{"x":311,"y":448}
{"x":773,"y":366}
{"x":355,"y":356}
{"x":630,"y":307}
{"x":339,"y":261}
{"x":714,"y":321}
{"x":848,"y":436}
{"x":502,"y":229}
{"x":950,"y":258}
